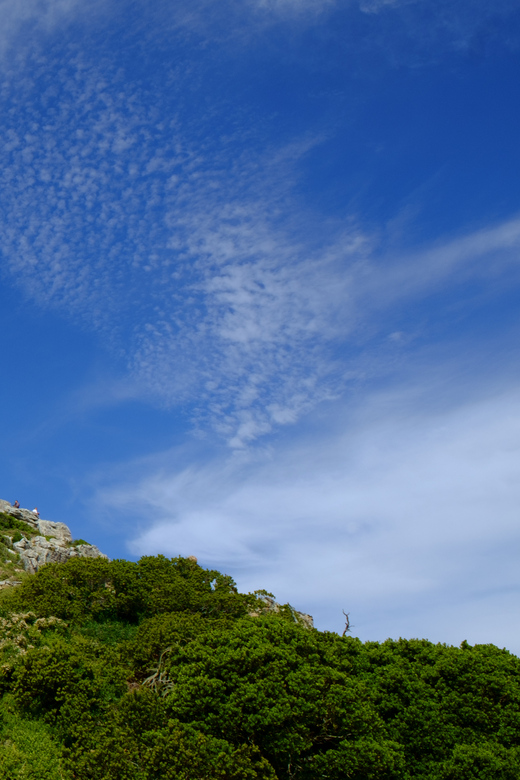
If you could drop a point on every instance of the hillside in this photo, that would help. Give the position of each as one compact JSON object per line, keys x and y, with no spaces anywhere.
{"x":162,"y":670}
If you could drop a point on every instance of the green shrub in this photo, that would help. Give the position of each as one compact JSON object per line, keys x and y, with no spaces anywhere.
{"x":67,"y":681}
{"x":10,"y":523}
{"x":141,"y":744}
{"x":28,"y":750}
{"x":75,"y":590}
{"x":109,"y":632}
{"x":82,"y":589}
{"x":483,"y":761}
{"x":160,"y":673}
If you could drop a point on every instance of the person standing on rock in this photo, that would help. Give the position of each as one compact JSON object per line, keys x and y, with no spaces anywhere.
{"x":35,"y":511}
{"x":16,"y":504}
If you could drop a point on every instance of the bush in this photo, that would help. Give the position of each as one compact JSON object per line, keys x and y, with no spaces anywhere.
{"x":67,"y":681}
{"x":76,"y":590}
{"x":160,"y":672}
{"x":27,"y":749}
{"x":141,"y":744}
{"x":9,"y":523}
{"x":82,"y":588}
{"x":263,"y":681}
{"x":483,"y":761}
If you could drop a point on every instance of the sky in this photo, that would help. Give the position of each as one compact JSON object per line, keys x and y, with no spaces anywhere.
{"x":259,"y":272}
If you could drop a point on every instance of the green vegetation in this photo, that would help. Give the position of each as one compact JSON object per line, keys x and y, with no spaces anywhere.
{"x":161,"y":670}
{"x":12,"y":530}
{"x":27,"y":748}
{"x":10,"y":524}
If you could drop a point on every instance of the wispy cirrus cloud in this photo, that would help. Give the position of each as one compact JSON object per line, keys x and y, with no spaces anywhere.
{"x":419,"y":33}
{"x":294,"y":6}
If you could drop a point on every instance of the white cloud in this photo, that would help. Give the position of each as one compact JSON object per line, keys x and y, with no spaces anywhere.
{"x":375,"y":6}
{"x":114,"y":217}
{"x":294,"y":6}
{"x":407,"y":517}
{"x":200,"y":262}
{"x":21,"y":21}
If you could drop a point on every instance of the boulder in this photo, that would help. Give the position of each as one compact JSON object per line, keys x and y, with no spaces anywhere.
{"x":59,"y":531}
{"x":38,"y":550}
{"x":86,"y":551}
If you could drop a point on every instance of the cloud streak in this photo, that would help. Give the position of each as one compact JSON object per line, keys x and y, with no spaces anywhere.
{"x":404,"y":516}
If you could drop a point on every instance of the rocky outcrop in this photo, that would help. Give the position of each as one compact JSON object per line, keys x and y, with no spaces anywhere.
{"x":45,"y":541}
{"x":267,"y":604}
{"x":37,"y":551}
{"x":58,"y":531}
{"x":21,"y":514}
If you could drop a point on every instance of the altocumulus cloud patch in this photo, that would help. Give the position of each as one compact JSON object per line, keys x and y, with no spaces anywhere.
{"x":112,"y":215}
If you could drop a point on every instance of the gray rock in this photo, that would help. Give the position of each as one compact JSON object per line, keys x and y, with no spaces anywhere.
{"x":59,"y":531}
{"x":267,"y":604}
{"x":38,"y":551}
{"x":21,"y":514}
{"x":87,"y":551}
{"x":35,"y":551}
{"x":306,"y":620}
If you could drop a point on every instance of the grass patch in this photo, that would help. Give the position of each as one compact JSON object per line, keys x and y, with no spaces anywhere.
{"x":77,"y":542}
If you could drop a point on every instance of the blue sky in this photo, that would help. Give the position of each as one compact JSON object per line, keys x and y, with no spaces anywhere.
{"x":260,"y":275}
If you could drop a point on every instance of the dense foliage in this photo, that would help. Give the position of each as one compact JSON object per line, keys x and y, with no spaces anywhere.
{"x":158,"y":670}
